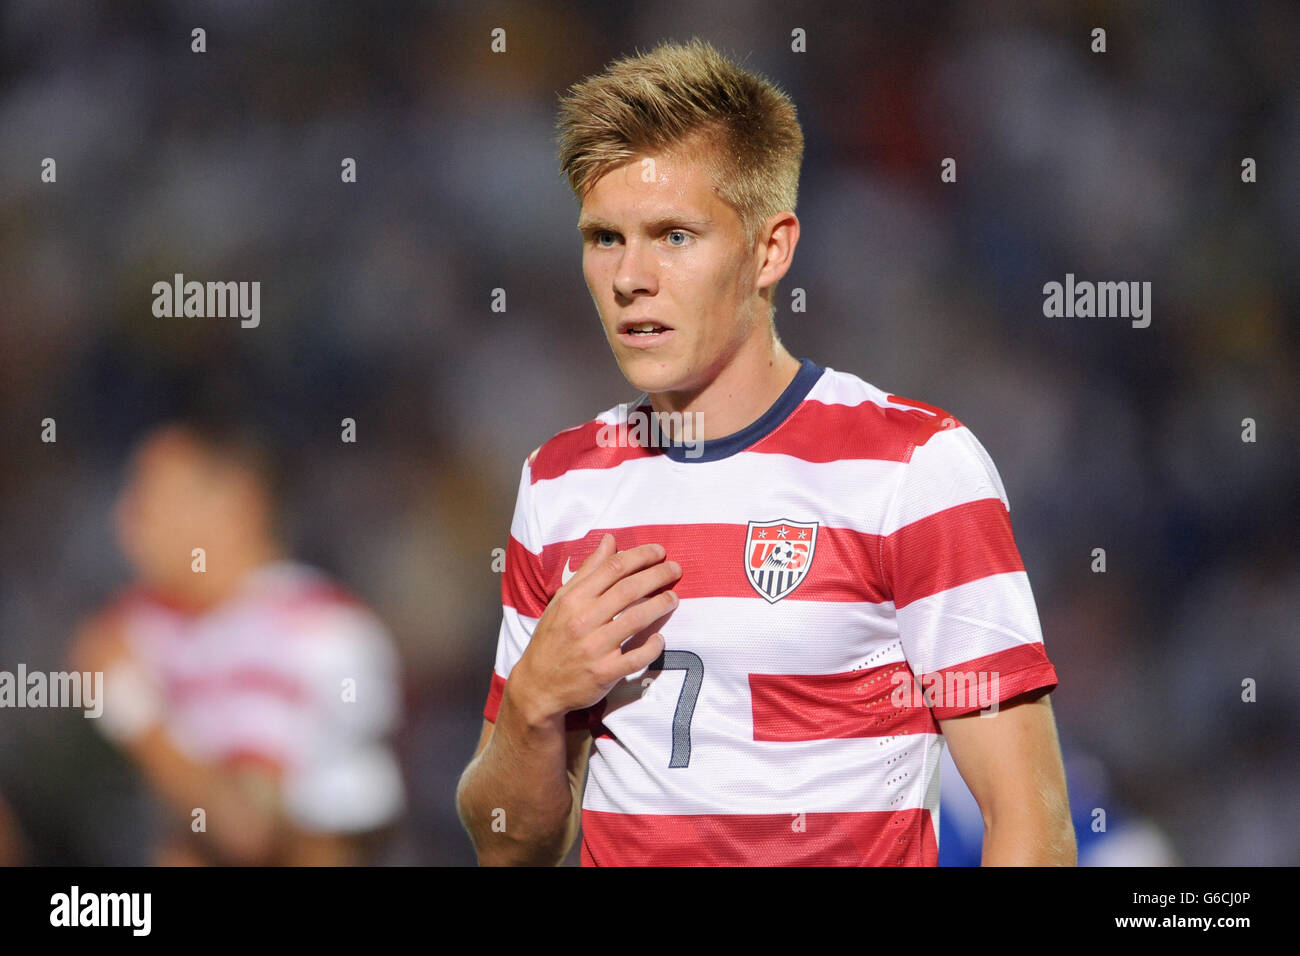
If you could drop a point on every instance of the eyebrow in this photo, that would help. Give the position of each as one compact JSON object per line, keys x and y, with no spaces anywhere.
{"x":588,"y":226}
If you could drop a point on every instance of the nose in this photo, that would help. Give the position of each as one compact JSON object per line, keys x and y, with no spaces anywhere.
{"x":636,"y":273}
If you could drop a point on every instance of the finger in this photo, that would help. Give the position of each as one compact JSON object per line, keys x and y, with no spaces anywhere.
{"x":641,"y":656}
{"x":637,"y":618}
{"x":631,"y":589}
{"x":614,"y":567}
{"x":604,"y":548}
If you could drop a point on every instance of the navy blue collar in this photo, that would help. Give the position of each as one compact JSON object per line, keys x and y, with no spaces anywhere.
{"x":726,"y":446}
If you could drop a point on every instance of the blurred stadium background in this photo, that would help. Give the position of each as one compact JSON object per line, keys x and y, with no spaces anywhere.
{"x":376,"y":305}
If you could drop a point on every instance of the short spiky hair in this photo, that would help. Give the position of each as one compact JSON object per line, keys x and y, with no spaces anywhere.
{"x":687,"y":96}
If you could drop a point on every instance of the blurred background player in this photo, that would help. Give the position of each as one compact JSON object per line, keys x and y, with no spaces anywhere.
{"x":240,"y":682}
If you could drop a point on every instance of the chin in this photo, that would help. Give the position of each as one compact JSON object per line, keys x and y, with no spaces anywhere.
{"x":648,"y":374}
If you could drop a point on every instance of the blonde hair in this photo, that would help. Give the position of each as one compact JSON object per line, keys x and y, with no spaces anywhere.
{"x":687,"y":98}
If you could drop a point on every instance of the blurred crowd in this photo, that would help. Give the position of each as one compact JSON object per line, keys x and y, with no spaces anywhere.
{"x":377,"y":295}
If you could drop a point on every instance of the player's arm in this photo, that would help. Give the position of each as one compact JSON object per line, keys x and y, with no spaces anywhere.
{"x":244,"y":816}
{"x":542,"y":807}
{"x":1012,"y":763}
{"x":964,"y":604}
{"x":240,"y":807}
{"x":519,"y":798}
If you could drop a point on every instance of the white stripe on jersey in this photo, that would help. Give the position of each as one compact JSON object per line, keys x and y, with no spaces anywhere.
{"x":736,"y":776}
{"x":957,"y":625}
{"x":852,"y":629}
{"x":791,"y":485}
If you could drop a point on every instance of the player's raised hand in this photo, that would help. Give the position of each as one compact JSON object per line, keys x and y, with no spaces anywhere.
{"x":578,"y":650}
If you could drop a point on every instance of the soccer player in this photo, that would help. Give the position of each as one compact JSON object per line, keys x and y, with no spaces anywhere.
{"x":243,"y":684}
{"x":745,"y":626}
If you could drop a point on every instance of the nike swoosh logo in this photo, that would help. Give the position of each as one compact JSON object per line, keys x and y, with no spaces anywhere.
{"x":566,"y":574}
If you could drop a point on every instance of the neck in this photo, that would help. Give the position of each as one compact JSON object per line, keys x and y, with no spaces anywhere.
{"x":738,"y":395}
{"x":226,"y":570}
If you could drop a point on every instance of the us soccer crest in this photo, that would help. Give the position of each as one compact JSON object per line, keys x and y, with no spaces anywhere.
{"x":778,"y":555}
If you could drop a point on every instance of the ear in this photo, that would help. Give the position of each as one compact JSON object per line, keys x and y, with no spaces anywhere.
{"x":778,"y":238}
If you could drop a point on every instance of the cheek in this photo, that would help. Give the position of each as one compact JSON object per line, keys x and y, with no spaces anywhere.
{"x":179,"y":509}
{"x":599,"y":284}
{"x":598,"y":264}
{"x":717,"y":291}
{"x":691,"y":281}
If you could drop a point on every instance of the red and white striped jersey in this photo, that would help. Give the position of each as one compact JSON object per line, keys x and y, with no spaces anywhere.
{"x":290,"y":672}
{"x":849,"y":577}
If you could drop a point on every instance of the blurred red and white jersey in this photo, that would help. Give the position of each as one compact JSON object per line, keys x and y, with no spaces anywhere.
{"x":290,"y":672}
{"x":846,"y":545}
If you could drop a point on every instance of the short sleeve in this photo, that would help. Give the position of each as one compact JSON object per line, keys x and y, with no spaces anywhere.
{"x":967,"y":620}
{"x":349,"y":779}
{"x":524,"y":597}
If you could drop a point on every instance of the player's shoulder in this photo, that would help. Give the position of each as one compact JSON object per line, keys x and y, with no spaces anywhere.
{"x":938,"y":450}
{"x":594,"y":443}
{"x":840,"y":406}
{"x":295,"y":584}
{"x":307,"y":600}
{"x":135,"y":601}
{"x":863,"y":411}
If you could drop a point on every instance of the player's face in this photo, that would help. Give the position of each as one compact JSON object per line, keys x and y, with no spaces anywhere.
{"x":166,"y":508}
{"x":672,"y":275}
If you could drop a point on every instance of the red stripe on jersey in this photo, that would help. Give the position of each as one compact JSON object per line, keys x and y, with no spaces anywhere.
{"x":521,"y":584}
{"x":814,"y":432}
{"x":324,"y":594}
{"x":878,"y":838}
{"x":872,"y":702}
{"x":307,"y":594}
{"x":937,"y":420}
{"x":845,"y":565}
{"x":580,"y":447}
{"x":247,"y":759}
{"x":573,"y":720}
{"x":243,"y":680}
{"x":140,"y":597}
{"x":1018,"y":670}
{"x":817,"y":432}
{"x":974,"y":539}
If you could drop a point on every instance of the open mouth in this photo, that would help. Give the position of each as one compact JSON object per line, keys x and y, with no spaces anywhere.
{"x":644,"y":333}
{"x":643,"y":328}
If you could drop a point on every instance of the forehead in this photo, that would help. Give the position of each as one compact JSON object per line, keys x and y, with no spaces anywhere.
{"x":653,"y":186}
{"x":166,"y":451}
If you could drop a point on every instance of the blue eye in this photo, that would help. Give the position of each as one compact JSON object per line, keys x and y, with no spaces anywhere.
{"x":600,"y":236}
{"x":678,"y":232}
